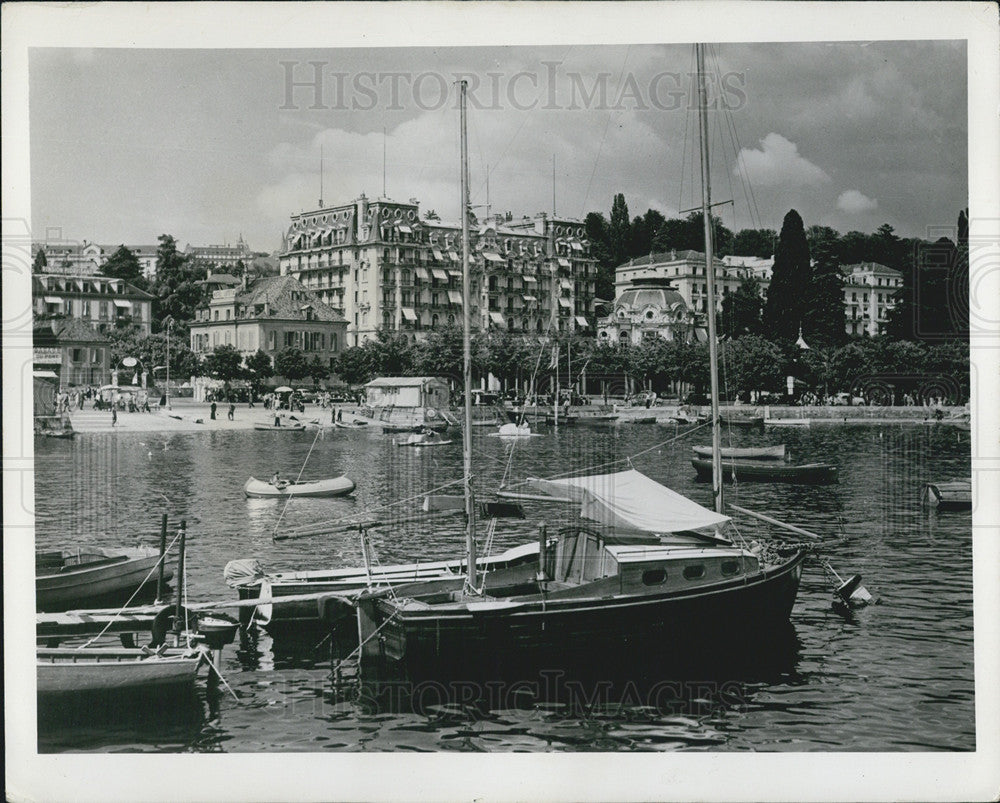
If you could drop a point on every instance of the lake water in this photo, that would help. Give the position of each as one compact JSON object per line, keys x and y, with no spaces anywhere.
{"x":895,"y":676}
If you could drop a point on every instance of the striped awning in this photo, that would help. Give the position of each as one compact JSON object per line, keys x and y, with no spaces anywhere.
{"x":422,"y":273}
{"x":454,"y":256}
{"x":454,"y":296}
{"x":439,"y":274}
{"x":492,"y":257}
{"x":497,"y":317}
{"x":437,"y":254}
{"x":409,"y":314}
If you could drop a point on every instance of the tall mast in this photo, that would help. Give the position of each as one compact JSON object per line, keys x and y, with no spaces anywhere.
{"x":470,"y":509}
{"x":320,"y":179}
{"x":706,"y":213}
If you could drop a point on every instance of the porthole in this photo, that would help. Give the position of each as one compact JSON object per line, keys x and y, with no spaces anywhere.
{"x":411,"y":214}
{"x":730,"y":567}
{"x":385,"y":213}
{"x":399,"y":214}
{"x":654,"y":577}
{"x":694,"y":572}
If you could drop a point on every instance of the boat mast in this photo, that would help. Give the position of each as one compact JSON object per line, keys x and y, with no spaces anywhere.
{"x":706,"y":213}
{"x":470,"y":510}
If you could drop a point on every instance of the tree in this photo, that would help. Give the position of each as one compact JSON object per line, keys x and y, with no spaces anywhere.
{"x":317,"y":371}
{"x":392,"y":353}
{"x":40,"y":262}
{"x":752,"y":363}
{"x":642,"y":231}
{"x":291,"y":363}
{"x":259,"y":369}
{"x":790,"y":280}
{"x":355,"y":365}
{"x":824,"y":322}
{"x":600,"y":248}
{"x":151,"y":351}
{"x":742,"y":310}
{"x":430,"y":214}
{"x":755,"y":242}
{"x":178,"y":287}
{"x":224,"y":363}
{"x":123,"y":264}
{"x":507,"y":356}
{"x":618,"y":230}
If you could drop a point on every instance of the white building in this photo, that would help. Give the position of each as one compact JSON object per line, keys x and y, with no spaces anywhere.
{"x":869,"y":291}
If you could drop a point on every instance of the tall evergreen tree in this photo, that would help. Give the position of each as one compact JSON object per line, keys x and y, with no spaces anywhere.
{"x":790,"y":279}
{"x":40,"y":263}
{"x":741,"y":310}
{"x":178,"y":287}
{"x":123,"y":264}
{"x":825,"y":319}
{"x":618,"y":230}
{"x":597,"y":233}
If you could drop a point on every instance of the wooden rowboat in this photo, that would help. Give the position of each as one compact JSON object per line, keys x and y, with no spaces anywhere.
{"x":335,"y":486}
{"x":64,"y":672}
{"x":743,"y":420}
{"x":953,"y":495}
{"x":744,"y":453}
{"x":66,"y":579}
{"x":746,"y":471}
{"x":293,"y":427}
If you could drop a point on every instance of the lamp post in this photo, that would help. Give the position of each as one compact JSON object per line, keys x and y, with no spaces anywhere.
{"x":170,"y":323}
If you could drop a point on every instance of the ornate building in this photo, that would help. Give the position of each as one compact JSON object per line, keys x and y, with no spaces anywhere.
{"x":649,"y":310}
{"x":382,"y":266}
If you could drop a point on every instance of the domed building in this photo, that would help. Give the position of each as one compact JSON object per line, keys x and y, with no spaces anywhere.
{"x":647,"y":310}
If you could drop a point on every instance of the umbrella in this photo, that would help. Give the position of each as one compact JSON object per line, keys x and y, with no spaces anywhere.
{"x":283,"y":389}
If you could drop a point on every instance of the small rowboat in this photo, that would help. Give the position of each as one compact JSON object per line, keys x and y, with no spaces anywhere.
{"x":744,"y":453}
{"x":788,"y":422}
{"x":70,"y":579}
{"x":423,"y":439}
{"x":808,"y":473}
{"x":746,"y":421}
{"x":66,"y":673}
{"x":356,"y":424}
{"x":293,"y":427}
{"x":336,"y":486}
{"x":954,"y":495}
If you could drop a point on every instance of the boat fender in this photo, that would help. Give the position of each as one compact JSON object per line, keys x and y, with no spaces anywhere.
{"x":163,"y":623}
{"x":431,"y":413}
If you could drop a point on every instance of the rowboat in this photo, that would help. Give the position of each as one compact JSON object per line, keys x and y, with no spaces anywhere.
{"x":744,"y":453}
{"x":293,"y":427}
{"x":335,"y":486}
{"x":812,"y":473}
{"x":67,"y":579}
{"x":423,"y":439}
{"x":64,"y":672}
{"x":953,"y":495}
{"x":356,"y":424}
{"x":391,"y":429}
{"x":746,"y":421}
{"x":787,"y":422}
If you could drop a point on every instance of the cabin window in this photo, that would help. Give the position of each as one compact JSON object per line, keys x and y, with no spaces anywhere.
{"x":654,"y":577}
{"x":730,"y":567}
{"x":694,"y":572}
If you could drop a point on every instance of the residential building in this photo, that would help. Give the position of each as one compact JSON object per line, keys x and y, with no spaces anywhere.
{"x":685,"y":271}
{"x":869,"y":294}
{"x":270,"y":314}
{"x":99,"y":301}
{"x":74,"y":351}
{"x":649,"y":310}
{"x":86,"y":258}
{"x":225,"y":257}
{"x":384,"y":267}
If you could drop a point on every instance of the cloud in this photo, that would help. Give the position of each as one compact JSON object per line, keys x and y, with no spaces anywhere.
{"x":854,"y":202}
{"x":778,"y":162}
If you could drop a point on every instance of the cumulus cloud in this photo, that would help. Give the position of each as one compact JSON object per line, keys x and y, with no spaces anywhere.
{"x":778,"y":162}
{"x":854,"y":202}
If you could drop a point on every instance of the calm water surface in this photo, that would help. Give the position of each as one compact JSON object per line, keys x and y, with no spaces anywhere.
{"x":896,"y":676}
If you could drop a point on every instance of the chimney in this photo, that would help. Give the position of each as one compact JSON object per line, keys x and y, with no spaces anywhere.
{"x":673,"y":253}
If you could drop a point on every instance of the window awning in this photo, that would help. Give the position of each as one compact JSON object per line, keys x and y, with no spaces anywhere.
{"x":454,"y":296}
{"x":529,"y":298}
{"x":53,"y":300}
{"x":439,"y":274}
{"x":437,"y":254}
{"x":563,"y":262}
{"x":564,"y":302}
{"x":497,"y":317}
{"x":456,"y":273}
{"x":492,"y":257}
{"x":566,"y":284}
{"x":531,"y":279}
{"x":454,"y":256}
{"x":422,"y":273}
{"x":406,"y":229}
{"x":122,"y":304}
{"x":576,"y":246}
{"x":582,"y":321}
{"x":409,"y":314}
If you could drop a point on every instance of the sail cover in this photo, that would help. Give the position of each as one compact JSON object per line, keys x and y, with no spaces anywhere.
{"x":629,"y":499}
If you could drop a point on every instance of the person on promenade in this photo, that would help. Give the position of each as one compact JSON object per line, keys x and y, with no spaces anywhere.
{"x":232,"y":410}
{"x":212,"y":411}
{"x":277,"y":420}
{"x":114,"y":416}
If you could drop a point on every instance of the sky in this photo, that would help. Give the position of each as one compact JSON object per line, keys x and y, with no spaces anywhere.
{"x":206,"y":145}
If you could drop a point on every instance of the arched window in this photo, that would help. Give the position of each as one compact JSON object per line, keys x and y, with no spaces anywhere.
{"x":623,"y":336}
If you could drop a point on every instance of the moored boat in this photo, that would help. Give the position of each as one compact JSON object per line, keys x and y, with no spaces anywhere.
{"x":67,"y":579}
{"x":952,"y":495}
{"x":744,"y":453}
{"x":291,"y":427}
{"x":423,"y":439}
{"x":334,"y":486}
{"x":68,"y":672}
{"x":740,"y":420}
{"x":745,"y":470}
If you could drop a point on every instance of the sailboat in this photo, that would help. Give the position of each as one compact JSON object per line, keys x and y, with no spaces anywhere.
{"x":642,"y":567}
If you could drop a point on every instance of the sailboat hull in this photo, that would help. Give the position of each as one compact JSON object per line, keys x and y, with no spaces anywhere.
{"x":552,"y":632}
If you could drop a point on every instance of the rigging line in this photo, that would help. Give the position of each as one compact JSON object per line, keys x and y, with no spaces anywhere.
{"x":289,"y":498}
{"x":604,"y":136}
{"x":135,"y":593}
{"x":348,"y":519}
{"x":687,"y":125}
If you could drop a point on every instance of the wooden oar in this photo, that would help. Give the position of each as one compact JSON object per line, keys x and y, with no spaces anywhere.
{"x":777,"y":523}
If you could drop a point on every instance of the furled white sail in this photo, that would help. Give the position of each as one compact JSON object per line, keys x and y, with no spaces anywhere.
{"x":628,"y":499}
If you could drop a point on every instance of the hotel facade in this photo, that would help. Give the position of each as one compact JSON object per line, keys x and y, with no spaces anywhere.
{"x":384,"y":267}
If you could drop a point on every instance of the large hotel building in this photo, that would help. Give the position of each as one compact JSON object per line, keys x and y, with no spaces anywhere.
{"x":382,"y":266}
